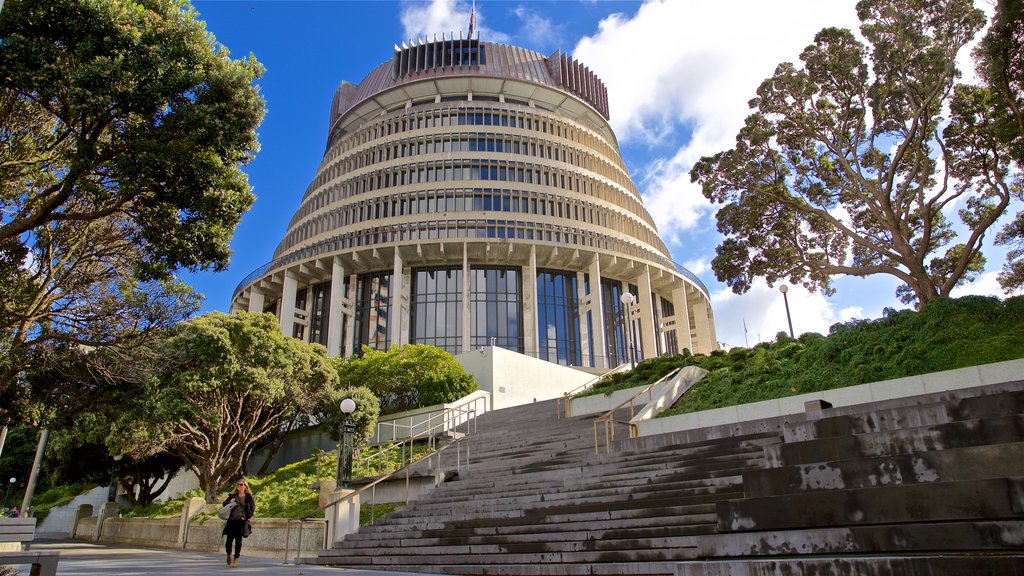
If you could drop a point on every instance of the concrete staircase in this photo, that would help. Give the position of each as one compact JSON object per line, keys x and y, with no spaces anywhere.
{"x":536,"y":499}
{"x":928,"y":486}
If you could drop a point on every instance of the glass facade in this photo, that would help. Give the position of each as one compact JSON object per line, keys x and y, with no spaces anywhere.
{"x":374,"y":305}
{"x":319,"y":313}
{"x":614,"y":335}
{"x":436,"y":315}
{"x":671,"y":341}
{"x":558,"y":334}
{"x":496,"y":307}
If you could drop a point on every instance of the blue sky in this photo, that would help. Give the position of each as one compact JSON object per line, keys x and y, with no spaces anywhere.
{"x":679,"y":74}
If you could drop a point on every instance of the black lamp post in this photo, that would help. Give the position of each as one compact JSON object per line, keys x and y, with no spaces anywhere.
{"x":344,"y":473}
{"x":10,"y":486}
{"x":627,"y":301}
{"x":785,"y":299}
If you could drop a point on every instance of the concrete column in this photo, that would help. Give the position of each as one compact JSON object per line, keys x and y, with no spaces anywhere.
{"x":109,"y":510}
{"x":682,"y":319}
{"x":342,"y":517}
{"x":334,"y":314}
{"x":350,"y":319}
{"x":531,"y":336}
{"x":291,"y":285}
{"x":645,"y":309}
{"x":189,"y":509}
{"x":395,"y":312}
{"x":586,"y":305}
{"x":597,"y":307}
{"x":467,"y":323}
{"x":256,"y":301}
{"x":700,"y":318}
{"x":83,"y":511}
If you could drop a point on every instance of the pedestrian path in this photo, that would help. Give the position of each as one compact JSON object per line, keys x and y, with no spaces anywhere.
{"x":78,"y":558}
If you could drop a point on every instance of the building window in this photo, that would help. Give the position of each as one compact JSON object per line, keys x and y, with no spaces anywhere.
{"x":373,"y":307}
{"x":668,"y":310}
{"x":614,"y":335}
{"x":437,"y":308}
{"x":558,"y":318}
{"x":496,"y":308}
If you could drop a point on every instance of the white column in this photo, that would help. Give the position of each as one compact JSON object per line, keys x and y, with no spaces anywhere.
{"x":586,"y":305}
{"x":700,"y":318}
{"x":288,"y":304}
{"x":467,"y":323}
{"x":350,"y":319}
{"x":682,"y":319}
{"x":597,"y":307}
{"x":395,"y":312}
{"x":256,"y":301}
{"x":531,"y":336}
{"x":334,"y":314}
{"x":645,"y":309}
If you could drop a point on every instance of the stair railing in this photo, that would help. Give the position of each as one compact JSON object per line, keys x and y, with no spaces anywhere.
{"x":452,"y":418}
{"x":566,"y":399}
{"x":608,"y":418}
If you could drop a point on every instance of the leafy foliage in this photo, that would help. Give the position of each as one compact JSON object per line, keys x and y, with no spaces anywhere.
{"x":407,"y":377}
{"x":125,"y":126}
{"x":944,"y":335}
{"x":841,"y":169}
{"x":229,"y":383}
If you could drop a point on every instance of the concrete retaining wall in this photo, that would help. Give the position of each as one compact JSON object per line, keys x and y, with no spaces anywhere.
{"x":203,"y":533}
{"x":935,"y":382}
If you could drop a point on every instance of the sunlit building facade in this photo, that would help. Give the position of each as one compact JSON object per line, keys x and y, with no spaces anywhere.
{"x":472,"y":194}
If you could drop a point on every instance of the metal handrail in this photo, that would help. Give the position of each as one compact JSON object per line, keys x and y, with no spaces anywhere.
{"x":373,"y":485}
{"x":429,"y":434}
{"x":449,"y":415}
{"x":567,"y":397}
{"x":609,"y":420}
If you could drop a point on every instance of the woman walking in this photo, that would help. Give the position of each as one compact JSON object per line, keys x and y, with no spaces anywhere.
{"x":245,"y":507}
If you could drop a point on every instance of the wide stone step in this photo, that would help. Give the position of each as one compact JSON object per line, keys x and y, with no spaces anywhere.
{"x":538,"y":503}
{"x":912,"y":416}
{"x":929,"y":565}
{"x":562,"y":533}
{"x":491,"y":557}
{"x":941,"y":501}
{"x":962,"y":434}
{"x":687,"y":520}
{"x":884,"y":538}
{"x":957,"y":464}
{"x":604,"y":569}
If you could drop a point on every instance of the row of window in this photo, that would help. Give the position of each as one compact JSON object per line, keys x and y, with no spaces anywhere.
{"x":439,"y":202}
{"x":449,"y":143}
{"x":442,"y":115}
{"x":470,"y":228}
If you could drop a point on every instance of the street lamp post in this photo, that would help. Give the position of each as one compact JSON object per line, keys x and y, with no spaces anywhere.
{"x":344,"y":473}
{"x":783,"y":288}
{"x":112,"y":491}
{"x":10,"y":486}
{"x":627,"y":301}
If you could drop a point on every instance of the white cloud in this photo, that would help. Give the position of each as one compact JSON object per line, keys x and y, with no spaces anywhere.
{"x":763,"y":310}
{"x":425,"y":19}
{"x":693,"y":65}
{"x":539,"y":32}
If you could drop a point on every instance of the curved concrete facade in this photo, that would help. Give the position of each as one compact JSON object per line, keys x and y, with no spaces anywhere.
{"x":472,"y":194}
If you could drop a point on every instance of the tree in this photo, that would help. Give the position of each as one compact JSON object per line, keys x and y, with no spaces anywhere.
{"x":228,"y":383}
{"x":1000,"y":65}
{"x":124,"y":126}
{"x":844,"y":172}
{"x":407,"y":377}
{"x":364,"y":418}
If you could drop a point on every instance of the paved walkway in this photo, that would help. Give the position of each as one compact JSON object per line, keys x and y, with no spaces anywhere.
{"x":79,"y":558}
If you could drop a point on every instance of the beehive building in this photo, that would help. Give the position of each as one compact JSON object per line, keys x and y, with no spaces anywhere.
{"x":472,"y":194}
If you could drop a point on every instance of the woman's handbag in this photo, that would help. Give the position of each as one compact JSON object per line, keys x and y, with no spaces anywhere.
{"x":225,"y":510}
{"x":246,"y":529}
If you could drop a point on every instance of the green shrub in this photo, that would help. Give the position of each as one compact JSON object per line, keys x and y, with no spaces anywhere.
{"x":943,"y":335}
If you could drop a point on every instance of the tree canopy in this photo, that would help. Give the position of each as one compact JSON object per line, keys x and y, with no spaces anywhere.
{"x":228,"y":383}
{"x":844,"y":167}
{"x":408,"y":376}
{"x":124,"y":127}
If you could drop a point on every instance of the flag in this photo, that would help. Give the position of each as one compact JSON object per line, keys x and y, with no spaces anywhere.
{"x":472,"y":20}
